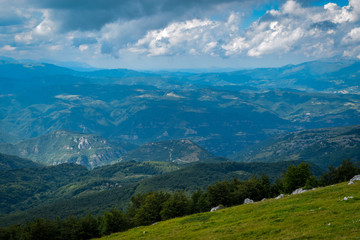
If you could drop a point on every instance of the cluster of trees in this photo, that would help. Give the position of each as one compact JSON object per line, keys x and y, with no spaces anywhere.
{"x":152,"y":207}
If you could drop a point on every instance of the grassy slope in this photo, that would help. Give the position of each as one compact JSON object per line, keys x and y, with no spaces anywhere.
{"x":319,"y":214}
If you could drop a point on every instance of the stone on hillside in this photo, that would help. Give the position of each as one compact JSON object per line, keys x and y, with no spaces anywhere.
{"x":355,"y":178}
{"x":216,"y":208}
{"x":280,"y":196}
{"x":299,"y":190}
{"x":248,"y":200}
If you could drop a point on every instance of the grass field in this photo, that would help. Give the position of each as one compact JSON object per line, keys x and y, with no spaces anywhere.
{"x":317,"y":214}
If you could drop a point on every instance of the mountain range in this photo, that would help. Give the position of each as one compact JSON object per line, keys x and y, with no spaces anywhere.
{"x":73,"y":143}
{"x":324,"y":147}
{"x":221,"y":112}
{"x":93,"y":151}
{"x":68,"y":147}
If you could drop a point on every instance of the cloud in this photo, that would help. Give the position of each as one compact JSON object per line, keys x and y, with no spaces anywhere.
{"x":310,"y":31}
{"x":194,"y":37}
{"x":8,"y":48}
{"x":112,"y":25}
{"x":178,"y":38}
{"x":292,"y":28}
{"x":352,"y":37}
{"x":88,"y":15}
{"x":153,"y":28}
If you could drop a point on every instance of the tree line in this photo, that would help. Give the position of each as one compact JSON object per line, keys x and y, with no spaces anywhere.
{"x":149,"y":208}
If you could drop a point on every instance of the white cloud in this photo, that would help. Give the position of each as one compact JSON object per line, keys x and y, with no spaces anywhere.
{"x":235,"y":46}
{"x":310,"y":31}
{"x":302,"y":30}
{"x":55,"y":47}
{"x":293,"y":8}
{"x":83,"y":47}
{"x":180,"y":37}
{"x":353,"y":36}
{"x":8,"y":48}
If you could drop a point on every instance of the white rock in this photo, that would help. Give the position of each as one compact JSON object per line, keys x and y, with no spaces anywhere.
{"x":248,"y":200}
{"x":280,"y":196}
{"x":355,"y":178}
{"x":299,"y":190}
{"x":216,"y":208}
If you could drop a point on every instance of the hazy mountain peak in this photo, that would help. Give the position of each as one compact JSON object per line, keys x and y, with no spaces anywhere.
{"x":178,"y":151}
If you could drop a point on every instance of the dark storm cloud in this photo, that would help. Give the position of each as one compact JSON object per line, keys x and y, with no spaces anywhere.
{"x":86,"y":15}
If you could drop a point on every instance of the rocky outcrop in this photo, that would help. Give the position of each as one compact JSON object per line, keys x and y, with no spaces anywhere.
{"x":217,"y":208}
{"x":355,"y":178}
{"x":280,"y":196}
{"x":299,"y":190}
{"x":248,"y":200}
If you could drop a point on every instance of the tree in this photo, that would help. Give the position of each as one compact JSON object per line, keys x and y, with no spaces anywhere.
{"x":296,"y":177}
{"x":41,"y":229}
{"x":220,"y":193}
{"x":199,"y":202}
{"x":342,"y":173}
{"x":88,"y":227}
{"x":114,"y":221}
{"x":176,"y":206}
{"x":149,"y":208}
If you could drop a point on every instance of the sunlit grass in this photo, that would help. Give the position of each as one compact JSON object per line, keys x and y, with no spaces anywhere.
{"x":316,"y":214}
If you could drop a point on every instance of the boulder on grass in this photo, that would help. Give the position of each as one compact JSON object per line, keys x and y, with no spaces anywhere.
{"x":299,"y":190}
{"x":248,"y":200}
{"x":355,"y":178}
{"x":217,"y":208}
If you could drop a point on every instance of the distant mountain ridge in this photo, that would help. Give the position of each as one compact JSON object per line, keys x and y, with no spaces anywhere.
{"x":177,"y":151}
{"x":67,"y":147}
{"x":9,"y":162}
{"x":221,"y":112}
{"x":324,"y":147}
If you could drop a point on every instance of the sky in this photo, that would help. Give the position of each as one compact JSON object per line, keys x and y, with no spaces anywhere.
{"x":180,"y":34}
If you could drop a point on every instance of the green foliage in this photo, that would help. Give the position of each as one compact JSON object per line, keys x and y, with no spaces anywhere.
{"x":311,"y":182}
{"x":150,"y":208}
{"x":199,"y":202}
{"x":342,"y":173}
{"x":202,"y":175}
{"x":235,"y":192}
{"x":114,"y":221}
{"x":8,"y":162}
{"x":25,"y":188}
{"x":296,"y":177}
{"x":41,"y":229}
{"x":66,"y":190}
{"x":176,"y":206}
